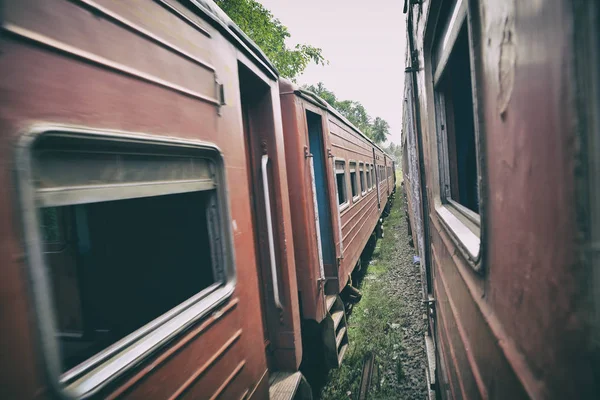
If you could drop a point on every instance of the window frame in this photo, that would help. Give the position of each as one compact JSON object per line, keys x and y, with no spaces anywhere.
{"x":362,"y":178}
{"x":112,"y":362}
{"x":464,"y":225}
{"x":356,"y":198}
{"x":345,"y":204}
{"x":373,"y":177}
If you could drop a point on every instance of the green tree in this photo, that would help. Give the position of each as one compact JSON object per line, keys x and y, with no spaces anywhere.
{"x":377,"y":129}
{"x":357,"y":114}
{"x":322,"y":92}
{"x":381,"y":129}
{"x":270,"y":35}
{"x":395,"y":151}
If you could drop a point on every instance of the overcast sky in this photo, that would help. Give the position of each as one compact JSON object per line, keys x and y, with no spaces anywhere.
{"x":364,"y":43}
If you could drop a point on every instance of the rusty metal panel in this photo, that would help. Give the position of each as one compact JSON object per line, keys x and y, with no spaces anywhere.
{"x":358,"y":220}
{"x":301,"y":197}
{"x":123,"y":46}
{"x":518,"y":326}
{"x":413,"y":175}
{"x":52,"y":72}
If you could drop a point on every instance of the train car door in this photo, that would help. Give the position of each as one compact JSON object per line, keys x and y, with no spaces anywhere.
{"x":257,"y":116}
{"x":387,"y":175}
{"x":376,"y":177}
{"x":318,"y":171}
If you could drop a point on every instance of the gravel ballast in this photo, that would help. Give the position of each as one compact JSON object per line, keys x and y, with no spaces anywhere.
{"x":388,"y":321}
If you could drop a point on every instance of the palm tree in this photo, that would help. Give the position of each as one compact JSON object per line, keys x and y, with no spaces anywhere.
{"x":380,"y":130}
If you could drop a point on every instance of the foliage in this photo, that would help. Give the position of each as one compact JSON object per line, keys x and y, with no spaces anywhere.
{"x":377,"y":129}
{"x":270,"y":35}
{"x":380,"y":130}
{"x":395,"y":151}
{"x":323,"y":93}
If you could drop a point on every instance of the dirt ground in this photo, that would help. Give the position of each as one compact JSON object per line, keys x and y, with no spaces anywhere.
{"x":388,"y":321}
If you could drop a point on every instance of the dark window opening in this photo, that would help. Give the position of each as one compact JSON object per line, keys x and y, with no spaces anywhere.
{"x":363,"y":187}
{"x":457,"y":95}
{"x":353,"y":183}
{"x":123,"y":263}
{"x":340,"y":177}
{"x":373,"y":177}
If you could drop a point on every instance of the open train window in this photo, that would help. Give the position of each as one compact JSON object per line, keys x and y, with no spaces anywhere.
{"x":456,"y":125}
{"x":368,"y":172}
{"x":353,"y":181}
{"x":340,"y":179}
{"x":129,"y":241}
{"x":363,"y":185}
{"x":373,"y":176}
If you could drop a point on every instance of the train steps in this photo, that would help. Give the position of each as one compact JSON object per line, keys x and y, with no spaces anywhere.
{"x":335,"y":331}
{"x":288,"y":386}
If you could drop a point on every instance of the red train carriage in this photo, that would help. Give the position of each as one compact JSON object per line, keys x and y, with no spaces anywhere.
{"x":501,"y":144}
{"x":339,"y":183}
{"x":146,"y":238}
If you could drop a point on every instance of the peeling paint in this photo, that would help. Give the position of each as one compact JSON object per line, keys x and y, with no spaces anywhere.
{"x":506,"y":64}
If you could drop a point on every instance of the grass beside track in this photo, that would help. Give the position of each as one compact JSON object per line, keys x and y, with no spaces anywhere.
{"x":375,"y":325}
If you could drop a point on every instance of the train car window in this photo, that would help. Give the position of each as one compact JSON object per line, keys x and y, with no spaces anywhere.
{"x":134,"y":239}
{"x":368,"y":172}
{"x":455,"y":116}
{"x":373,"y":176}
{"x":353,"y":180}
{"x":363,"y":185}
{"x":340,"y":178}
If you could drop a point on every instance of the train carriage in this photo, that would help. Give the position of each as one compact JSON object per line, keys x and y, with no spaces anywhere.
{"x":500,"y":141}
{"x":156,"y":248}
{"x":340,"y":182}
{"x":147,"y":243}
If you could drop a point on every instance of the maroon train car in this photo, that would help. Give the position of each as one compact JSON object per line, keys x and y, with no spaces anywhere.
{"x":501,"y":145}
{"x":339,"y":183}
{"x":145,"y":226}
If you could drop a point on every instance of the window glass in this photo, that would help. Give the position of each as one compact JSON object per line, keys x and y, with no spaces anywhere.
{"x":368,"y":172}
{"x":340,"y":178}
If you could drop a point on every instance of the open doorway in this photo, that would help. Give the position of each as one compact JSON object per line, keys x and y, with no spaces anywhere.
{"x":322,"y":208}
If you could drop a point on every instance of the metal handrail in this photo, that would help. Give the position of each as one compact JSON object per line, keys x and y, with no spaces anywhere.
{"x":265,"y":161}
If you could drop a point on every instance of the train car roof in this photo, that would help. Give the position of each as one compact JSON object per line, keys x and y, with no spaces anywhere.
{"x":313,"y":98}
{"x":229,"y":29}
